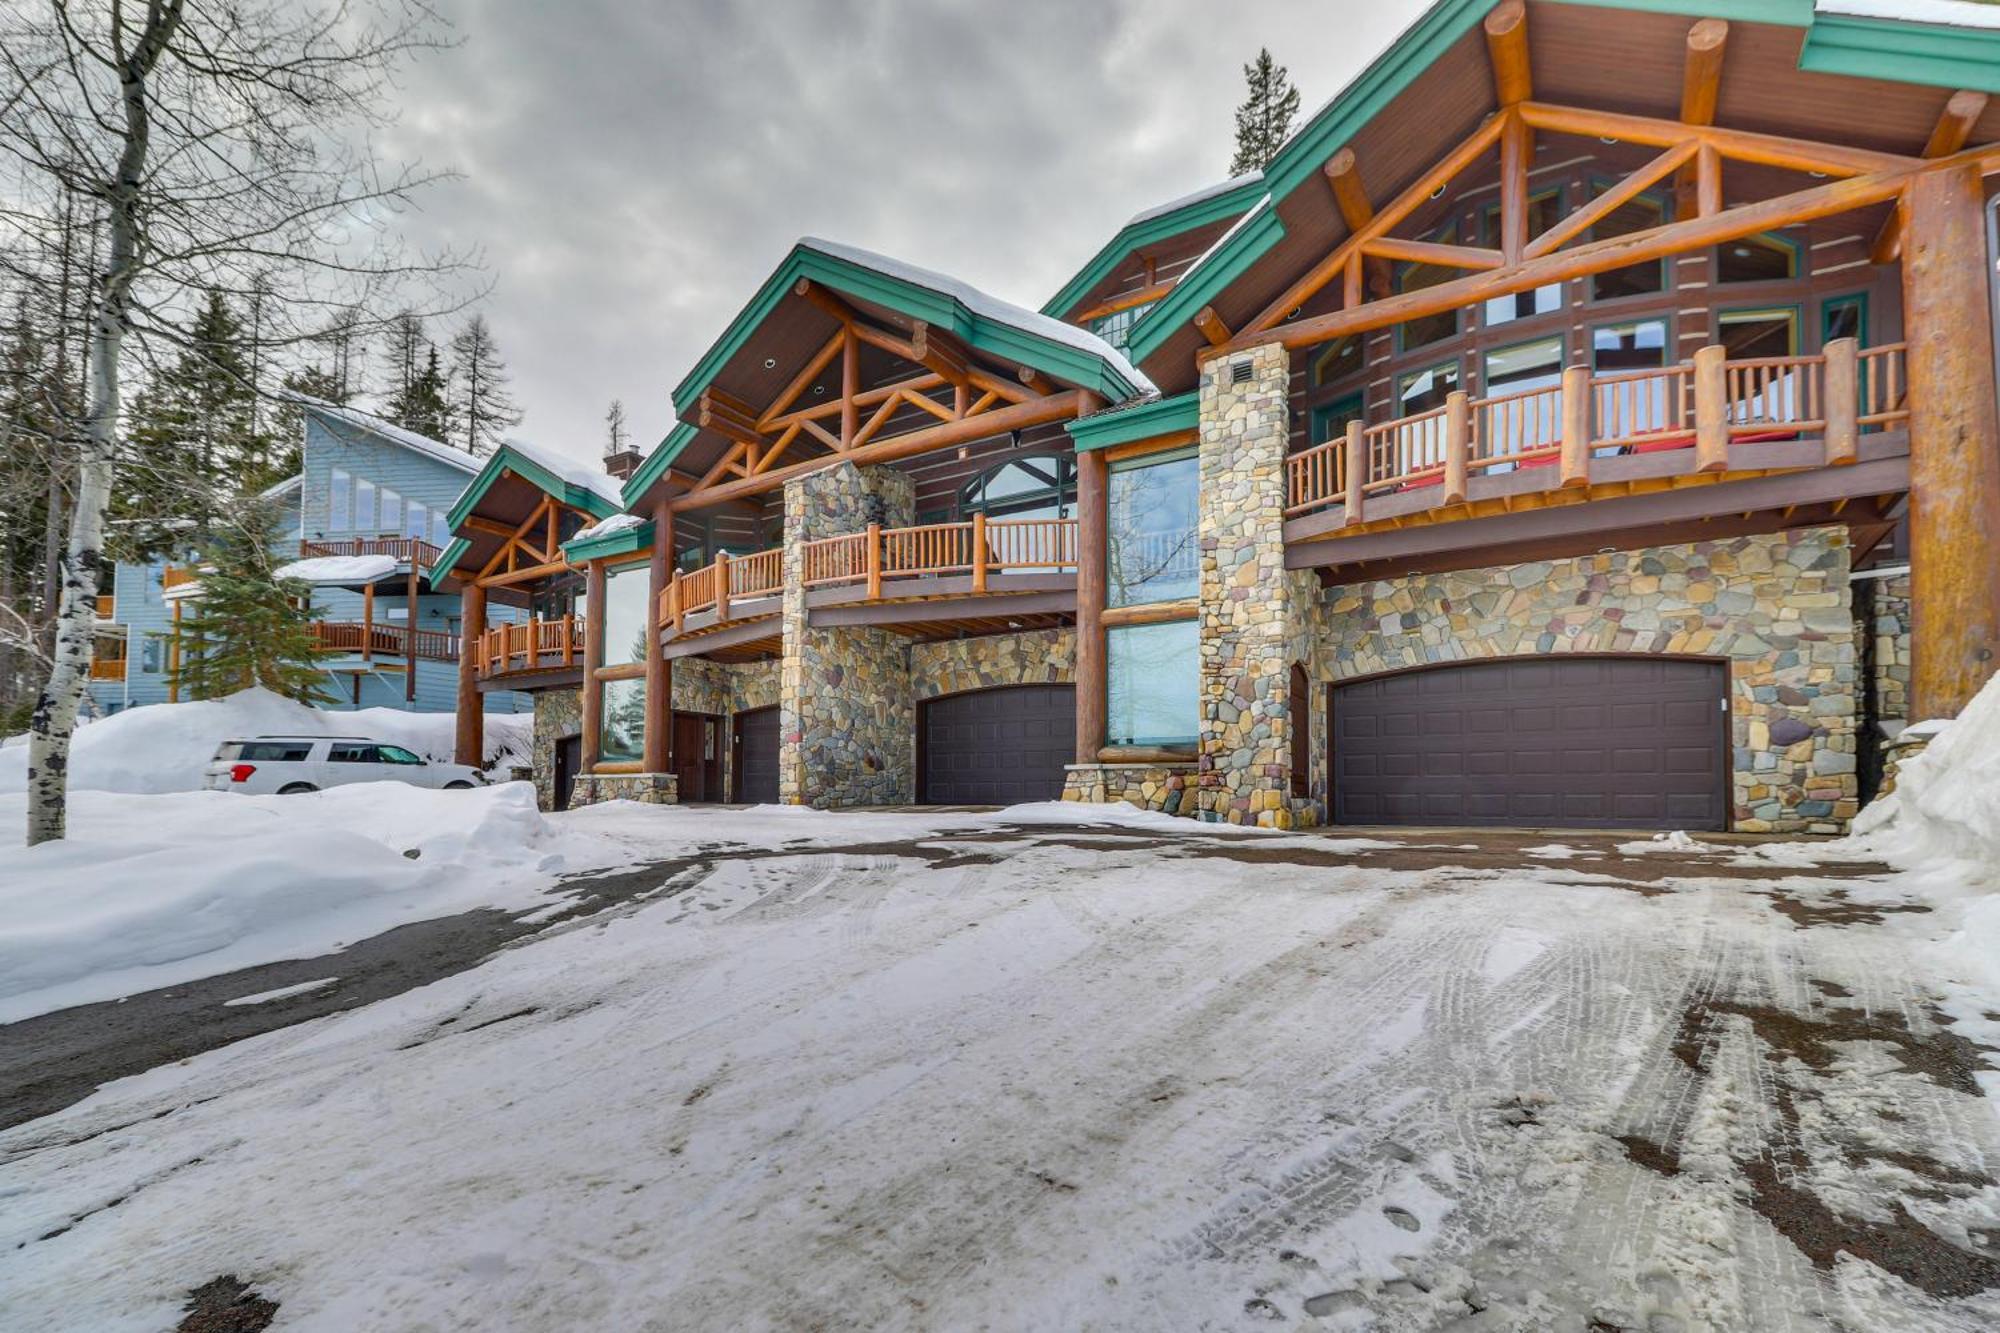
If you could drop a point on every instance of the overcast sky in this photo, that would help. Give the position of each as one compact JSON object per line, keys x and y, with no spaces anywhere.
{"x":634,"y":170}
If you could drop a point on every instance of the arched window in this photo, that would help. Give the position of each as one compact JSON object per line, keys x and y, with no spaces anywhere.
{"x":1041,"y":487}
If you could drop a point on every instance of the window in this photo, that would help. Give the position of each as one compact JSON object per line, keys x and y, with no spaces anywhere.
{"x":625,"y":614}
{"x":1417,"y":278}
{"x":621,"y":732}
{"x":1534,"y":423}
{"x":1640,"y":345}
{"x":1151,"y":530}
{"x":338,"y":495}
{"x":1337,"y":360}
{"x":1844,"y":317}
{"x":396,"y":754}
{"x":149,"y":656}
{"x":364,"y":505}
{"x":1640,"y":214}
{"x":1544,"y":211}
{"x":556,"y":597}
{"x":1635,"y":404}
{"x":1425,"y":389}
{"x":1329,"y":421}
{"x":352,"y":752}
{"x":289,"y":752}
{"x":1153,"y":676}
{"x":1116,"y":327}
{"x":1533,"y":365}
{"x":1023,"y":488}
{"x":1765,"y":258}
{"x":440,"y":530}
{"x":416,"y":520}
{"x":1755,"y":333}
{"x":392,"y":511}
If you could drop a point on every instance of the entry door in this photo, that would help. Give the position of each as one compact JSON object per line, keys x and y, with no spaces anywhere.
{"x":756,"y":756}
{"x":697,"y":757}
{"x":569,"y":758}
{"x":1567,"y":742}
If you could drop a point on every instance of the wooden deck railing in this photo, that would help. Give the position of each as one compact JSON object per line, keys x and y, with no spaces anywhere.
{"x":412,"y":550}
{"x":718,"y":586}
{"x":977,"y":547}
{"x":532,"y":645}
{"x":107,"y":668}
{"x":384,"y":640}
{"x":1703,"y":405}
{"x":173,"y":576}
{"x":106,"y":605}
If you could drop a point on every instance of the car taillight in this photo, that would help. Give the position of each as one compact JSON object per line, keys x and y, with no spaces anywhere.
{"x":241,"y":772}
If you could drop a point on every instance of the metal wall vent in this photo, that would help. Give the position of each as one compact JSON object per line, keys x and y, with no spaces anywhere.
{"x":1239,"y":371}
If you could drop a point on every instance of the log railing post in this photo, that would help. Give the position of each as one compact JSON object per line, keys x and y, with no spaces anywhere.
{"x":722,"y":587}
{"x":1457,"y":445}
{"x":674,"y":598}
{"x":1357,"y":470}
{"x":1575,"y":426}
{"x":874,"y":561}
{"x":1093,"y":473}
{"x":1711,"y":409}
{"x":979,"y":552}
{"x":534,"y":642}
{"x":1842,"y":393}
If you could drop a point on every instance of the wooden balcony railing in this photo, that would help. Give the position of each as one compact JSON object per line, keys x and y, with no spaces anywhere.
{"x":355,"y":638}
{"x":977,"y":547}
{"x":173,"y":576}
{"x":532,"y":645}
{"x":107,"y":668}
{"x":1704,"y":405}
{"x":106,"y":606}
{"x":719,"y":586}
{"x":405,"y":550}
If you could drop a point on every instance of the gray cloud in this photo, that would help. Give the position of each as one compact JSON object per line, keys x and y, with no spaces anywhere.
{"x":633,"y":171}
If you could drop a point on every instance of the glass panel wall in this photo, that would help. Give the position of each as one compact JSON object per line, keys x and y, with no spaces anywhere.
{"x":621,"y":732}
{"x":625,"y":615}
{"x":1154,"y":685}
{"x":1151,"y":531}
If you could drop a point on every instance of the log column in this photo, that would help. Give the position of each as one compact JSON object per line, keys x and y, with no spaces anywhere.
{"x":659,"y":672}
{"x":470,"y":745}
{"x":1092,"y":489}
{"x":593,"y":658}
{"x":1954,"y":444}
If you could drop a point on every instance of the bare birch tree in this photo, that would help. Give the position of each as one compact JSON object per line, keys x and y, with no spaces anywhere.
{"x":221,"y":146}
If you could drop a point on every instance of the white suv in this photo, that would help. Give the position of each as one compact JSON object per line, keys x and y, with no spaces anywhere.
{"x":289,"y":764}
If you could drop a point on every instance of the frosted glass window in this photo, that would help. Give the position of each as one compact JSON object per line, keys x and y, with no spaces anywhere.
{"x":1153,"y":679}
{"x":340,"y":490}
{"x":364,"y":505}
{"x":392,"y":511}
{"x":416,"y":523}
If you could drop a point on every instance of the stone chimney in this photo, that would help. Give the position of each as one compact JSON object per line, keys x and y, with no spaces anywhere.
{"x":623,"y":463}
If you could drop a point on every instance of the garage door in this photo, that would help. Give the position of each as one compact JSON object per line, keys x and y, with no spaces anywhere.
{"x":1606,"y":742}
{"x":997,"y":747}
{"x":757,"y":755}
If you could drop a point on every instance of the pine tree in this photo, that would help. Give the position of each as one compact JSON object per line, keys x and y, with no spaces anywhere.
{"x":1264,"y":120}
{"x":617,"y":438}
{"x":423,"y":405}
{"x":403,"y":350}
{"x":288,"y":423}
{"x":247,"y":627}
{"x":485,"y":411}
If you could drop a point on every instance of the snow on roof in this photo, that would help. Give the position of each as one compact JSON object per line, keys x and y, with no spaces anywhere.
{"x":1224,"y":239}
{"x":1947,"y":13}
{"x":390,"y":431}
{"x":1206,"y":192}
{"x":574,"y":471}
{"x":604,"y":527}
{"x":339,"y":570}
{"x":986,"y":307}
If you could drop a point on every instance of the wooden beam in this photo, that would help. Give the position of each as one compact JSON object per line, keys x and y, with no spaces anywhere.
{"x":1344,"y":176}
{"x":469,"y":741}
{"x":1431,"y":252}
{"x":728,"y":416}
{"x":1701,"y":73}
{"x":593,"y":658}
{"x":1146,"y":295}
{"x":1737,"y":145}
{"x":659,"y":674}
{"x":1583,"y":219}
{"x":1517,"y":156}
{"x":800,"y":382}
{"x":940,"y":353}
{"x":1952,"y":132}
{"x":850,"y":386}
{"x":1211,"y":326}
{"x":492,"y":527}
{"x":1063,"y":406}
{"x":1507,"y":47}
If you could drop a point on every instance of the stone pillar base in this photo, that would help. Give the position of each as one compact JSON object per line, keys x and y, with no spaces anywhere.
{"x":646,"y":788}
{"x":1168,"y":788}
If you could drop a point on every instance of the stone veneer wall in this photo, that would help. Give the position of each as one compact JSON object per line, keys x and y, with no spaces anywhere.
{"x":1169,"y":788}
{"x":847,"y":732}
{"x":558,"y":713}
{"x":1882,"y":633}
{"x":1249,"y":624}
{"x":1775,"y":606}
{"x":1031,"y":657}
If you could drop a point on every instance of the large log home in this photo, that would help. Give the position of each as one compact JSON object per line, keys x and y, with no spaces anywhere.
{"x":1511,"y":451}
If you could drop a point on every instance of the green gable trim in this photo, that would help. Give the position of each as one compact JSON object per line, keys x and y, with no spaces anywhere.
{"x":1923,"y":53}
{"x":622,"y":542}
{"x":941,"y":310}
{"x":449,"y":559}
{"x":655,"y":464}
{"x":506,"y":459}
{"x":1245,"y":246}
{"x":1132,"y":236}
{"x":1162,"y":416}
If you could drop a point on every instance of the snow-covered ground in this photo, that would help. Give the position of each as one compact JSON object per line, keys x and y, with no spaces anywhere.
{"x":942,"y":1071}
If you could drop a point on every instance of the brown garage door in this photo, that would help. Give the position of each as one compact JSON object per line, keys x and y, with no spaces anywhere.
{"x":757,"y":755}
{"x":1571,"y":742}
{"x":997,"y":747}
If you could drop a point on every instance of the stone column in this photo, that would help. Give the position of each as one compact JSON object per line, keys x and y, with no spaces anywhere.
{"x":1247,"y":614}
{"x":847,"y":728}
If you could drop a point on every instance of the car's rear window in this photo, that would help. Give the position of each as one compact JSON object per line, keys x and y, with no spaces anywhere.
{"x":272,"y":751}
{"x":228,"y":750}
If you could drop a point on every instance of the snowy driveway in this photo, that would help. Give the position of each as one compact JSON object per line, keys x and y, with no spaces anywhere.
{"x":1042,"y":1077}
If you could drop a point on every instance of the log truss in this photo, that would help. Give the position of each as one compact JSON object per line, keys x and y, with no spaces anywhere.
{"x":530,"y":549}
{"x":1693,"y":153}
{"x":951,"y":388}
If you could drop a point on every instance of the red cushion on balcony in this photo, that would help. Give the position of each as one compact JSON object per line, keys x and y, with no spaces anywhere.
{"x":1665,"y":444}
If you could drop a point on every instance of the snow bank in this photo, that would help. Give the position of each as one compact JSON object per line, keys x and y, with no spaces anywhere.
{"x":1946,"y":806}
{"x":338,"y":569}
{"x":164,"y":747}
{"x":155,"y":890}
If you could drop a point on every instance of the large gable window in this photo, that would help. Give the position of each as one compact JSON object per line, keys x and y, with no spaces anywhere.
{"x":1023,"y":488}
{"x":1116,"y":327}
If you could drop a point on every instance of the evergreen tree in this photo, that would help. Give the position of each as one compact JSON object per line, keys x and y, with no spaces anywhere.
{"x":321,"y":381}
{"x":1264,"y":120}
{"x":403,"y":350}
{"x":423,"y":406}
{"x":617,"y":438}
{"x":247,"y":627}
{"x":485,"y":411}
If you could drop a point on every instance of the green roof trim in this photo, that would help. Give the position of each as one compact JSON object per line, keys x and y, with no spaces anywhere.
{"x":1780,"y":13}
{"x":1903,"y":52}
{"x":450,"y":557}
{"x":509,"y":459}
{"x":622,"y":542}
{"x":1145,"y":421}
{"x":1253,"y":237}
{"x":655,"y":464}
{"x":1231,"y":203}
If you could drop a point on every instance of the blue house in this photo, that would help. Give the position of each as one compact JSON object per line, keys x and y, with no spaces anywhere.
{"x":364,"y":523}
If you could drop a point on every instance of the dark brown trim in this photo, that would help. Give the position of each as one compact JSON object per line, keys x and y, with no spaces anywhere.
{"x":729,"y":636}
{"x":531,"y":681}
{"x":898,"y":613}
{"x":1000,"y":588}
